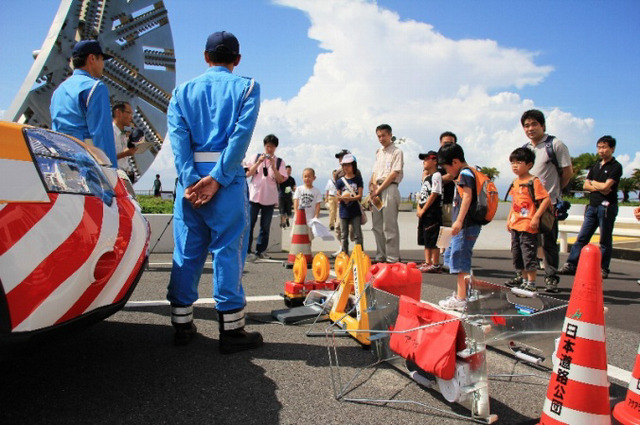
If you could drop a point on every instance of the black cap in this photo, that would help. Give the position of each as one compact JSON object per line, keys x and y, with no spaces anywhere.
{"x":88,"y":47}
{"x":342,"y":153}
{"x":429,"y":154}
{"x":223,"y":42}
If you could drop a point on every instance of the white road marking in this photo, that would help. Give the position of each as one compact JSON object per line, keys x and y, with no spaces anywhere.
{"x":612,"y":371}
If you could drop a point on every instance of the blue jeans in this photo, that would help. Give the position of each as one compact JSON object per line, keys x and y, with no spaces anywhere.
{"x":266,"y":213}
{"x":458,"y":255}
{"x":603,"y":217}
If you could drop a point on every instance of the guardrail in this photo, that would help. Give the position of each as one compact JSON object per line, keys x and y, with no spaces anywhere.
{"x":624,"y":226}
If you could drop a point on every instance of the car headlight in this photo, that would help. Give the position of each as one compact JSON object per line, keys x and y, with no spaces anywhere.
{"x":66,"y":167}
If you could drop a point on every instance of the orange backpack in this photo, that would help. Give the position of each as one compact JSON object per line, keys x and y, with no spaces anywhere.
{"x":485,"y":198}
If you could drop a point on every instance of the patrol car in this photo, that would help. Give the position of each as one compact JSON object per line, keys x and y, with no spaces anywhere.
{"x":73,"y":241}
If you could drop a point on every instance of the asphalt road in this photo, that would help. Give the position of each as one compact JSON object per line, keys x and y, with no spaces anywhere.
{"x":125,"y":370}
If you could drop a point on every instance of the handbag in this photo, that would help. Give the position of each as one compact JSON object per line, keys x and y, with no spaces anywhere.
{"x":548,"y":217}
{"x":546,"y":221}
{"x":363,"y":215}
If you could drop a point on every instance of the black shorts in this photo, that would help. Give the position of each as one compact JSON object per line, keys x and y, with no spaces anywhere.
{"x":524,"y":250}
{"x":285,"y":204}
{"x":428,"y":234}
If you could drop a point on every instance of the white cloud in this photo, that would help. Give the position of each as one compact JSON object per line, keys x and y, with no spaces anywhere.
{"x":628,"y":164}
{"x":378,"y":69}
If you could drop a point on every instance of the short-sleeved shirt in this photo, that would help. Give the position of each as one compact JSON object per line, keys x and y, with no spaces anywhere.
{"x":545,"y":170}
{"x":263,"y":189}
{"x":121,"y":141}
{"x":307,"y":199}
{"x":447,"y":189}
{"x":465,"y":179}
{"x":601,"y":173}
{"x":330,"y":187}
{"x":286,"y":187}
{"x":523,"y":207}
{"x":350,"y":209}
{"x":388,"y":159}
{"x":431,"y":184}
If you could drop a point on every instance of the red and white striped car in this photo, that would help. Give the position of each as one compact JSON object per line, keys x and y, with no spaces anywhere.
{"x":73,"y":242}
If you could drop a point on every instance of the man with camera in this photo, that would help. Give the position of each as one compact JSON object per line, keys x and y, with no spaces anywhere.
{"x":265,"y":171}
{"x":122,"y":115}
{"x":553,"y":168}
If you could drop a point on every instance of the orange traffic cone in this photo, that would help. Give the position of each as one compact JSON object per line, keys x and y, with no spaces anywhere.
{"x":578,"y":391}
{"x":300,"y":242}
{"x":627,"y":412}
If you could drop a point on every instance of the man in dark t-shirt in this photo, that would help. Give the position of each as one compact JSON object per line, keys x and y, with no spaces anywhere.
{"x":285,"y":198}
{"x":602,"y":185}
{"x":449,"y":186}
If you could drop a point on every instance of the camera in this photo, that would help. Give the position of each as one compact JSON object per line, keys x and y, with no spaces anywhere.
{"x":134,"y":137}
{"x":562,"y":210}
{"x":268,"y":156}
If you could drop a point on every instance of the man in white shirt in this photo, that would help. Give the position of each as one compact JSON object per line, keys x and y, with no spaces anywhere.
{"x":122,"y":115}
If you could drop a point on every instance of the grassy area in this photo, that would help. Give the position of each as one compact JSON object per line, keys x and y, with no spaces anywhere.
{"x":154,"y":205}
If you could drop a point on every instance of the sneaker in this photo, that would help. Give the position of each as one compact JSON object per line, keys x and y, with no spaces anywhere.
{"x":515,"y":281}
{"x":453,"y":303}
{"x":551,"y":284}
{"x":423,"y":267}
{"x":434,"y":268}
{"x":529,"y":286}
{"x":252,"y":257}
{"x":262,"y":256}
{"x":605,"y":273}
{"x":568,"y":269}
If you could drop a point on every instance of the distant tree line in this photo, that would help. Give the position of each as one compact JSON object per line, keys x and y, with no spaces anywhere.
{"x":581,"y":166}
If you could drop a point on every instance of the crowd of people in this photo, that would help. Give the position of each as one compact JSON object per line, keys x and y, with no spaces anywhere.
{"x":220,"y":191}
{"x":542,"y":169}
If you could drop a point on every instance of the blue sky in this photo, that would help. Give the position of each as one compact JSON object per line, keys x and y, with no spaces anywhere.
{"x":330,"y":71}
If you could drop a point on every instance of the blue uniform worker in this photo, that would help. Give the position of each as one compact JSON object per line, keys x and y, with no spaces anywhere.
{"x":211,"y":120}
{"x":80,"y":105}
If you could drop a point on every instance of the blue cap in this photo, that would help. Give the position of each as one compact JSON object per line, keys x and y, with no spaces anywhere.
{"x":223,"y":42}
{"x":88,"y":47}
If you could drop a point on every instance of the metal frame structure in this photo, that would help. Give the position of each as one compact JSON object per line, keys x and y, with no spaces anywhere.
{"x":525,"y":327}
{"x":142,"y":72}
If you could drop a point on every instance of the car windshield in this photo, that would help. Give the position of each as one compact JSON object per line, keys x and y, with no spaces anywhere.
{"x":66,"y":166}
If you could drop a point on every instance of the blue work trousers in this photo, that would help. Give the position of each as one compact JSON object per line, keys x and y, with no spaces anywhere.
{"x":603,"y":217}
{"x":266,"y":213}
{"x":219,"y":227}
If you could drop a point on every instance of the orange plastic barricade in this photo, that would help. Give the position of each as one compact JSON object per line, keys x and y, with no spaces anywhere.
{"x":432,"y":348}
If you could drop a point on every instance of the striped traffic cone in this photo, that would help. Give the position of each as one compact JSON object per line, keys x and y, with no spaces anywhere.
{"x":300,"y":242}
{"x":627,"y":412}
{"x":578,"y":391}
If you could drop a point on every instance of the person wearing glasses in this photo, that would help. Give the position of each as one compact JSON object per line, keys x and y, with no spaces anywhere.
{"x":122,"y":114}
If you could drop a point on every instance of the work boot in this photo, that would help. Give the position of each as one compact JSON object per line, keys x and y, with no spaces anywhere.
{"x":233,"y":337}
{"x":182,"y":321}
{"x":515,"y":281}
